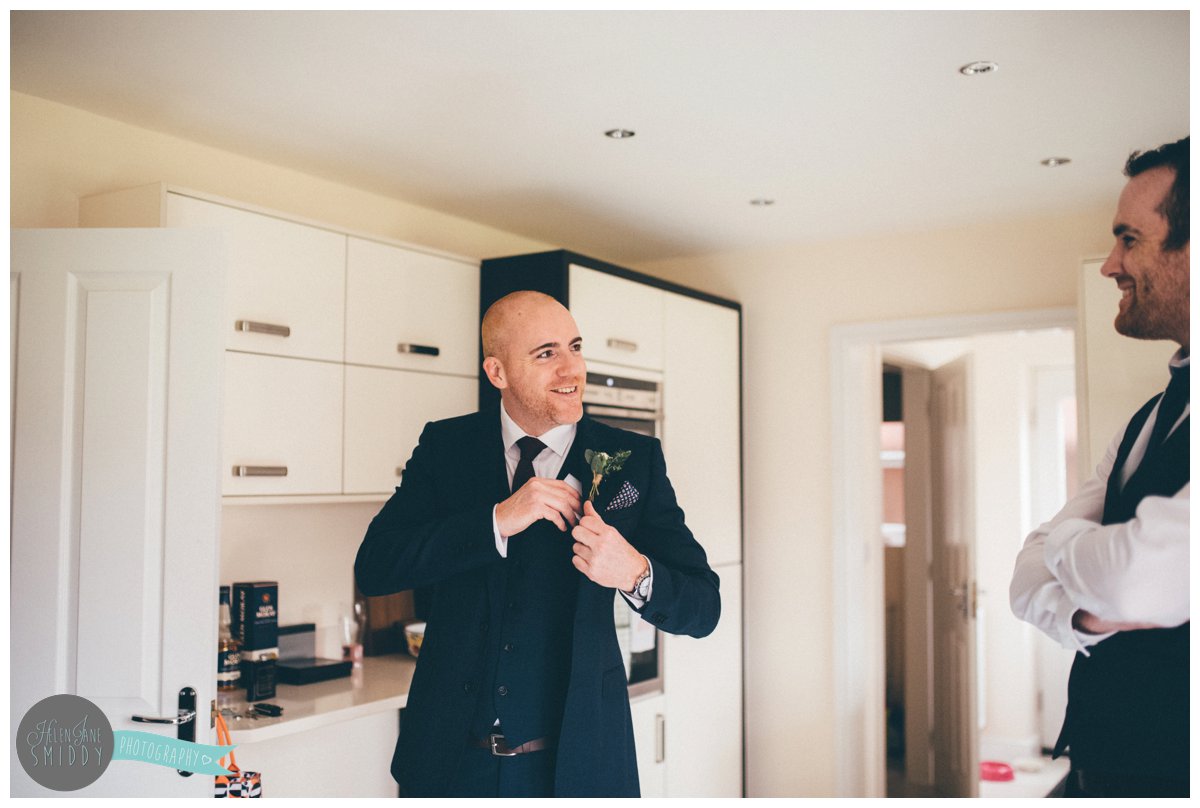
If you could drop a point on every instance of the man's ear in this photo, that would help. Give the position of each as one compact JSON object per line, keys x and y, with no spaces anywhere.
{"x":495,"y":372}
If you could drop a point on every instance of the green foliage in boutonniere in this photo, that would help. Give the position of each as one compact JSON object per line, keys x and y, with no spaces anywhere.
{"x":603,"y":464}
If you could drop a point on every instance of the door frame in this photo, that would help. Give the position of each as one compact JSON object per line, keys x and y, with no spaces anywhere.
{"x":860,"y":751}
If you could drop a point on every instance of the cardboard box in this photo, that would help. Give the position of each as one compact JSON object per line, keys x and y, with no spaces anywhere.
{"x":256,"y":618}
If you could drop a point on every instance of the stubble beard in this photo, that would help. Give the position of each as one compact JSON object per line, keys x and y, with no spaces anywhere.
{"x":1160,"y":309}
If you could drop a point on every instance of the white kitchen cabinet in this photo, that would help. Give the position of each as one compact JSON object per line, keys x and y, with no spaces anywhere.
{"x":286,"y":281}
{"x":347,"y":759}
{"x":621,"y":321}
{"x":703,"y":693}
{"x":411,"y":310}
{"x":649,"y":729}
{"x":385,"y":413}
{"x":702,"y":421}
{"x":283,"y":426}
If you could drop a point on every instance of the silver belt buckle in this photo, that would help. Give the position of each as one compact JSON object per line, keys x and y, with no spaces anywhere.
{"x":495,"y":740}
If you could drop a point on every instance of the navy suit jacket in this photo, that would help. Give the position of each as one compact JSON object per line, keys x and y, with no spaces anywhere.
{"x":437,"y":530}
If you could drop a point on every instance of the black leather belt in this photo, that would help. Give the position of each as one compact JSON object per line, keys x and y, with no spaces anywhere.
{"x":499,"y":747}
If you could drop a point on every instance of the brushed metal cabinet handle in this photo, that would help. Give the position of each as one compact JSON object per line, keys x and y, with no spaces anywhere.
{"x":622,"y":344}
{"x":660,"y":738}
{"x":260,"y":471}
{"x":424,"y":350}
{"x":250,"y":326}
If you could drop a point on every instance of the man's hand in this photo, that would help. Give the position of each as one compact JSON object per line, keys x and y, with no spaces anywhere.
{"x":603,"y":555}
{"x":539,"y":498}
{"x":1089,"y":623}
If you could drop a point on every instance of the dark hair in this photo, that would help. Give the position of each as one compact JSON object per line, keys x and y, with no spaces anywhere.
{"x":1176,"y":205}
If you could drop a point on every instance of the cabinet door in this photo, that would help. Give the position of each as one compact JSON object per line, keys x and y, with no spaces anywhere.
{"x":704,"y":699}
{"x":702,"y":421}
{"x":283,"y":426}
{"x":649,"y":728}
{"x":349,"y":758}
{"x":282,"y":276}
{"x":620,"y":321}
{"x":385,"y":413}
{"x":411,"y":310}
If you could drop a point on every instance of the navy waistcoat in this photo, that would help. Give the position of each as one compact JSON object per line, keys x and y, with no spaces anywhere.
{"x":527,"y":663}
{"x":1128,"y":702}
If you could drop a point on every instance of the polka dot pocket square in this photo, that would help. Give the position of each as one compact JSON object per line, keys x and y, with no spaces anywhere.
{"x":625,"y":498}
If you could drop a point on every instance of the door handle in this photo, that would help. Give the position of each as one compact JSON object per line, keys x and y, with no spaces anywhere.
{"x":184,"y":719}
{"x":967,"y":597}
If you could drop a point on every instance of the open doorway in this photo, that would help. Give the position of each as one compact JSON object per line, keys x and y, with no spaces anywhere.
{"x":976,"y":438}
{"x":969,"y":577}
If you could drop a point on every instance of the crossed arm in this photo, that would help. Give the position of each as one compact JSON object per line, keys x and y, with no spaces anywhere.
{"x":1079,"y":581}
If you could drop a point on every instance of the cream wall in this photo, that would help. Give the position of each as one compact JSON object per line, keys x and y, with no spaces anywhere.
{"x":791,"y":296}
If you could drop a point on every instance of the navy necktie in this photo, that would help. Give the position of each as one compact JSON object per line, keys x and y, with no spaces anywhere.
{"x":530,"y":448}
{"x":1170,"y":407}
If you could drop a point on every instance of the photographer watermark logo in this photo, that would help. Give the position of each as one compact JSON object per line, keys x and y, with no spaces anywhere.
{"x":65,"y":742}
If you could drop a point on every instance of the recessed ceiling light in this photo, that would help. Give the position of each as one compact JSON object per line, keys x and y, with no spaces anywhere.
{"x":1055,"y":162}
{"x":978,"y":68}
{"x":762,"y":203}
{"x":619,"y":134}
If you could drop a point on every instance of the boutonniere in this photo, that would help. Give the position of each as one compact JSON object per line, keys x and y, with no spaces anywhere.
{"x":602,"y":464}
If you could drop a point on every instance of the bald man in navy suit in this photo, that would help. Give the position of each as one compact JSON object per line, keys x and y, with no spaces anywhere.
{"x":520,"y":688}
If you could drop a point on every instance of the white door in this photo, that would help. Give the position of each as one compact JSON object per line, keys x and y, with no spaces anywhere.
{"x":956,"y":732}
{"x":115,"y":487}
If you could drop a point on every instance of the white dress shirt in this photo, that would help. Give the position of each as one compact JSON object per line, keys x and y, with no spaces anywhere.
{"x":1135,"y":571}
{"x":547,"y":463}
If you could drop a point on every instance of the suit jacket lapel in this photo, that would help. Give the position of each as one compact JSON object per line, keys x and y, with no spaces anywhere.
{"x":574,"y":463}
{"x":494,"y":485}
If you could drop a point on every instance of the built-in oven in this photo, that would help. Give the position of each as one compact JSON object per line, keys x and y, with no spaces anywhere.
{"x":630,"y":399}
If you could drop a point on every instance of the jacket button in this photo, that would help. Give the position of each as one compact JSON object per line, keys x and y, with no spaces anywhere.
{"x":508,"y":646}
{"x":468,"y":687}
{"x":502,"y":691}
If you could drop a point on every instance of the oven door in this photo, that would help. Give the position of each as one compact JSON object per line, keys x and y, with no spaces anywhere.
{"x":643,"y":422}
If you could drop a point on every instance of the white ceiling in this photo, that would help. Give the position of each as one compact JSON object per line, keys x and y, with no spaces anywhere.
{"x":856,"y":123}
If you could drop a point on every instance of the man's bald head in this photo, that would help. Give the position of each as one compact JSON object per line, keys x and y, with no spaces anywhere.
{"x":502,"y":317}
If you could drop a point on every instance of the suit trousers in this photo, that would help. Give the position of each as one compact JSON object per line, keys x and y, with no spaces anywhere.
{"x":482,"y":774}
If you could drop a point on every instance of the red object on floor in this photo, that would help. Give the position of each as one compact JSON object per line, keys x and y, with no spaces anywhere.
{"x":995,"y":771}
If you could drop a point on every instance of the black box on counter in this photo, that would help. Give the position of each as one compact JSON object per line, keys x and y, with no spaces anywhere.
{"x":256,"y":616}
{"x":259,"y":676}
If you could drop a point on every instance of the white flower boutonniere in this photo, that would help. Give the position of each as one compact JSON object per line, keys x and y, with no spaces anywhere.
{"x":602,"y":464}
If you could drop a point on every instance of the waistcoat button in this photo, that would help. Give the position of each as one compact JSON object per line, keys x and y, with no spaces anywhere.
{"x":502,"y":690}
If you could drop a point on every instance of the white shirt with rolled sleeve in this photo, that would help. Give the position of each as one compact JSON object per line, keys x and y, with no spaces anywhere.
{"x":1135,"y":571}
{"x":548,"y":463}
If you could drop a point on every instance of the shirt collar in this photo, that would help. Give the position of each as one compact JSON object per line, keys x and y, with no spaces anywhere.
{"x":1181,"y":359}
{"x":558,"y":439}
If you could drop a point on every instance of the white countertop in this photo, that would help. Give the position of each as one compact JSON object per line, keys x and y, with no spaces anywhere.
{"x":381,"y":684}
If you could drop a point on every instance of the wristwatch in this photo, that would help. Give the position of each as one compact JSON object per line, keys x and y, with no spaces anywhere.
{"x":641,"y":589}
